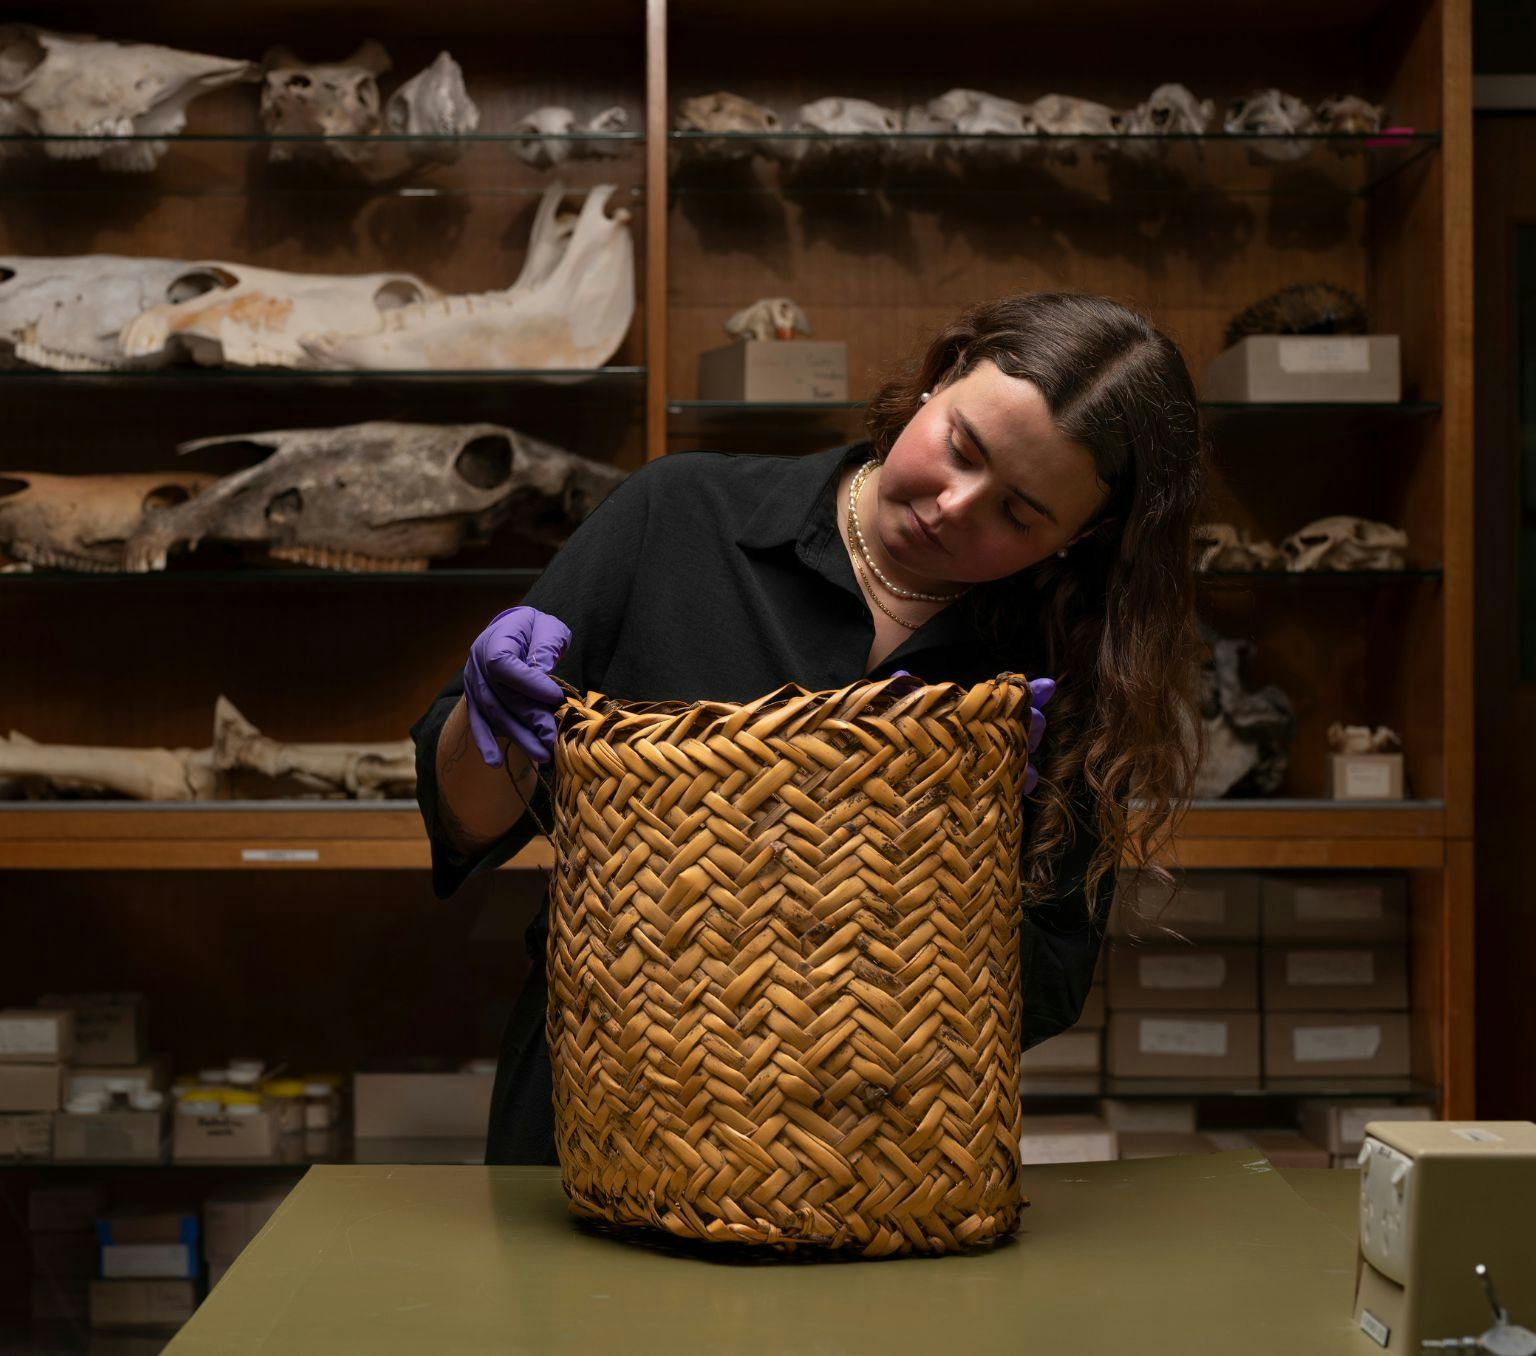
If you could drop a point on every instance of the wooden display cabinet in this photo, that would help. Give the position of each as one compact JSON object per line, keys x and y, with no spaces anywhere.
{"x":1191,"y":239}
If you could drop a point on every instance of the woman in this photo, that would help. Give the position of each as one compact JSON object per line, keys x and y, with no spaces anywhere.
{"x":1025,"y":502}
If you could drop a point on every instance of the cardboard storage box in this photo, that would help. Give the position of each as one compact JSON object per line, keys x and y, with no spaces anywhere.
{"x":403,"y":1105}
{"x":1138,"y":1115}
{"x":1221,"y":977}
{"x":1306,"y":976}
{"x":1362,"y":908}
{"x":36,"y":1036}
{"x":1162,"y":1144}
{"x":1222,"y":1046}
{"x":151,"y":1075}
{"x":109,"y":1027}
{"x":109,"y":1137}
{"x":31,"y":1087}
{"x":147,"y":1224}
{"x":26,"y":1135}
{"x":147,"y":1304}
{"x":1366,"y":776}
{"x":233,"y":1216}
{"x":1336,"y":1045}
{"x":1203,"y":906}
{"x":797,"y":371}
{"x":1280,"y":368}
{"x":221,"y":1136}
{"x":1059,"y":1085}
{"x":1069,"y":1052}
{"x":1340,"y":1126}
{"x":63,"y":1209}
{"x":1066,"y":1139}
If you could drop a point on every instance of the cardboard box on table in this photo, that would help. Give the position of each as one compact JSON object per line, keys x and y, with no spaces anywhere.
{"x":1222,"y":977}
{"x":1202,"y":906}
{"x":1438,"y":1198}
{"x":1335,"y":1045}
{"x":26,"y":1136}
{"x":1323,"y":977}
{"x":109,"y":1137}
{"x":1340,"y":1126}
{"x":201,"y":1138}
{"x":31,"y":1087}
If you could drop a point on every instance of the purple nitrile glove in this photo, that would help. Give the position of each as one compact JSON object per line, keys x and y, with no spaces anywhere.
{"x":508,"y":693}
{"x":1041,"y":690}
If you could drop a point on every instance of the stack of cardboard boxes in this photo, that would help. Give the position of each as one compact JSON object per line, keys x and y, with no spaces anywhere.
{"x":114,"y":1095}
{"x":150,"y":1260}
{"x":35,"y":1044}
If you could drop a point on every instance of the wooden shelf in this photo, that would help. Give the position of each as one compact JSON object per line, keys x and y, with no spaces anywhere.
{"x":97,"y":836}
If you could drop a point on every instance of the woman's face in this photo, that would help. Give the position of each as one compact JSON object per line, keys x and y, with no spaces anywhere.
{"x":983,"y":466}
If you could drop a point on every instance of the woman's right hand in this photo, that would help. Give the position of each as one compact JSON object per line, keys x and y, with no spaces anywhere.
{"x":508,"y":693}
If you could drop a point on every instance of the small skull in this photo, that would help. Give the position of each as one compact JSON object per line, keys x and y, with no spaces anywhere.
{"x":1349,"y":114}
{"x":725,"y":112}
{"x":1169,"y":109}
{"x":1223,"y":547}
{"x":768,"y":318}
{"x":335,"y":99}
{"x":1362,"y":739}
{"x":433,"y":103}
{"x":1345,"y":543}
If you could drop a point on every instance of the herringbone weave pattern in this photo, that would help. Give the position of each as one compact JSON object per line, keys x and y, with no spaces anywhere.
{"x":784,"y":964}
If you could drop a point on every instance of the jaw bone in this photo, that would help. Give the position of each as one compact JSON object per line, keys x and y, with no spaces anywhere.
{"x":570,"y":307}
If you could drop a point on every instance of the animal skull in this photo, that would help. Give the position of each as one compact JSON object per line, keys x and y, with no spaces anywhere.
{"x":244,"y":316}
{"x":76,"y":85}
{"x":380,"y":495}
{"x":570,"y":307}
{"x":554,"y":121}
{"x":836,"y":114}
{"x":1169,"y":109}
{"x":1248,"y":732}
{"x":434,"y":103}
{"x":1222,"y":546}
{"x":768,"y":318}
{"x":334,"y":99}
{"x":1362,"y":739}
{"x":65,"y":313}
{"x":84,"y":522}
{"x":1345,"y":543}
{"x":1349,"y":114}
{"x":1062,"y":115}
{"x":1271,"y":112}
{"x":724,"y":112}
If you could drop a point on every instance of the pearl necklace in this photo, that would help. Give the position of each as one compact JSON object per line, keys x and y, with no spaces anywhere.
{"x":857,"y":533}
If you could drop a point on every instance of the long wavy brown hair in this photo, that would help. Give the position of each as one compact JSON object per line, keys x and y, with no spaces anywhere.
{"x":1115,"y":619}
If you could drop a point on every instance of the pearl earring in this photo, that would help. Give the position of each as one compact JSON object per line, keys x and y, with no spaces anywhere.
{"x":925,"y":395}
{"x":1062,"y":554}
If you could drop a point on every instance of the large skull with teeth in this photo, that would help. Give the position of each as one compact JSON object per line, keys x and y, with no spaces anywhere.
{"x":1345,"y":543}
{"x":381,"y":495}
{"x":75,"y":85}
{"x":334,"y":99}
{"x":65,"y":313}
{"x":84,"y":522}
{"x":243,"y":316}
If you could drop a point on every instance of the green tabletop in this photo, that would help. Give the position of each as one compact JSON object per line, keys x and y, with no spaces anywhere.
{"x":1213,"y":1253}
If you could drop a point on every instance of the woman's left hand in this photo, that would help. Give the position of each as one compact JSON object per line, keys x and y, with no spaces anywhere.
{"x":1041,"y":690}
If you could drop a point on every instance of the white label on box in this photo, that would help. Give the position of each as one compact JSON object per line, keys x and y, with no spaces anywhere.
{"x":1319,"y":1044}
{"x":1309,"y":353}
{"x":1367,"y":780}
{"x":1199,"y":906}
{"x":279,"y":854}
{"x":1329,"y":968}
{"x":1338,"y":903}
{"x":1183,"y":972}
{"x":1478,"y":1136}
{"x":29,"y":1036}
{"x":1374,"y":1328}
{"x":146,"y":1260}
{"x":1159,"y":1036}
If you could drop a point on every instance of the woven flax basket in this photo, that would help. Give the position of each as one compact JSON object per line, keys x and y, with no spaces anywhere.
{"x":783,"y":964}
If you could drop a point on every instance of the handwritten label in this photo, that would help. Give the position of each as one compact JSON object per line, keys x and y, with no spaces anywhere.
{"x":1159,"y":1036}
{"x":1322,"y":1044}
{"x":1308,"y":969}
{"x":29,"y":1036}
{"x":1367,"y":780}
{"x":1309,"y":353}
{"x":1183,"y":972}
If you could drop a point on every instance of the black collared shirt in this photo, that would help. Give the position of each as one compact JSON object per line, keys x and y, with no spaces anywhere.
{"x":721,"y":576}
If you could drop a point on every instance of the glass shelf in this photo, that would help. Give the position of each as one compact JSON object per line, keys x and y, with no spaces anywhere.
{"x":207,"y":165}
{"x":1316,"y":578}
{"x":1112,"y":164}
{"x":183,"y":374}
